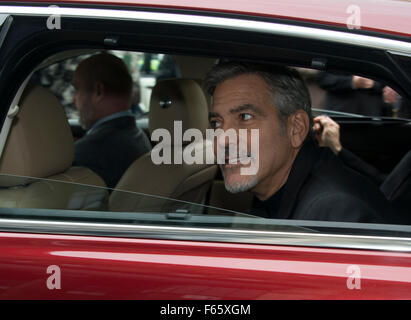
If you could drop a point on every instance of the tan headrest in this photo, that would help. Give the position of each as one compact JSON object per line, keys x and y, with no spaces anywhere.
{"x":40,"y":142}
{"x":178,"y":100}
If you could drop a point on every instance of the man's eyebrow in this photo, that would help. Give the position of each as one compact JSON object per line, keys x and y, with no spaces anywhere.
{"x":247,"y":107}
{"x":213,"y":115}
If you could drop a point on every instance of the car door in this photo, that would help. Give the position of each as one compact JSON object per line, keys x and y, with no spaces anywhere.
{"x":56,"y":255}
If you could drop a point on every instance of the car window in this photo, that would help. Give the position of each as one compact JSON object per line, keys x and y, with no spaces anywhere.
{"x":331,"y":94}
{"x":157,"y":193}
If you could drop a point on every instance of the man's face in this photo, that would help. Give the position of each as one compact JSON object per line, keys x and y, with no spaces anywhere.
{"x":83,"y":102}
{"x":244,"y":102}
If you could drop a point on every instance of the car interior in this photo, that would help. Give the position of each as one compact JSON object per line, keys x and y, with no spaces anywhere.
{"x":146,"y":187}
{"x":40,"y":144}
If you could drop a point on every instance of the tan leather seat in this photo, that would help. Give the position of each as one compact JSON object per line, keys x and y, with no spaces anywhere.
{"x":35,"y":168}
{"x":147,"y":187}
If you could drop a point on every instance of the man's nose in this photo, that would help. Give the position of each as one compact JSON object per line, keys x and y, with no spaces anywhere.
{"x":227,"y":144}
{"x":228,"y":135}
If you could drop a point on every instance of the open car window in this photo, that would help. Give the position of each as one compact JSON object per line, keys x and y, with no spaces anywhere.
{"x":328,"y":91}
{"x":215,"y":207}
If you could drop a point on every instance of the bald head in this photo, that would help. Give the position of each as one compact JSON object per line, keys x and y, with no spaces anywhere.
{"x":108,"y":70}
{"x":103,"y":86}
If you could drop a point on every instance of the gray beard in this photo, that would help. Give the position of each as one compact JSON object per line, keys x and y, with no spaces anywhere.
{"x":241,"y":186}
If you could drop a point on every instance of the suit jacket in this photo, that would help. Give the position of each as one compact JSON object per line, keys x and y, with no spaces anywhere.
{"x":356,"y":163}
{"x":320,"y":187}
{"x":111,"y":148}
{"x":404,"y":108}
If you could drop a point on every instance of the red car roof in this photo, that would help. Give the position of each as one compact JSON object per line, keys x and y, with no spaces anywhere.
{"x":387,"y":16}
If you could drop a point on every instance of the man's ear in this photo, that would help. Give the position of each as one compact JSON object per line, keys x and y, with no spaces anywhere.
{"x":298,"y":127}
{"x":99,"y":90}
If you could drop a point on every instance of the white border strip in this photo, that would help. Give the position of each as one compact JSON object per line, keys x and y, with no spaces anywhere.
{"x":216,"y":22}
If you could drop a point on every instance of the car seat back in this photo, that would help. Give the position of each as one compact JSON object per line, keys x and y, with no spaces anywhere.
{"x":35,"y":167}
{"x":397,"y":186}
{"x":151,"y":187}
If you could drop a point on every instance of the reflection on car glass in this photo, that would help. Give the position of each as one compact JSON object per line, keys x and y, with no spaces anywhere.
{"x":357,"y":94}
{"x":185,"y":214}
{"x":82,"y":196}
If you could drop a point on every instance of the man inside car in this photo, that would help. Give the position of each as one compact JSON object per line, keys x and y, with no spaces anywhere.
{"x":103,"y":91}
{"x":296,"y":179}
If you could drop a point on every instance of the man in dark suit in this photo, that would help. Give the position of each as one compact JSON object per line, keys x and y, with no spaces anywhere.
{"x":295,"y":178}
{"x":103,"y":89}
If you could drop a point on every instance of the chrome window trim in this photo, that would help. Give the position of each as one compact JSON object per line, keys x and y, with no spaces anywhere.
{"x":216,"y":22}
{"x":5,"y":23}
{"x":392,"y":244}
{"x":3,"y":18}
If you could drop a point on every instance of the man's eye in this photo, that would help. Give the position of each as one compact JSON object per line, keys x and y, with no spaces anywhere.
{"x":246,"y":116}
{"x":215,"y":123}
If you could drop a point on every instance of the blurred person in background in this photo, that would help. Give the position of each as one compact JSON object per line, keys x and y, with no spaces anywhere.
{"x":103,"y":93}
{"x":353,"y":94}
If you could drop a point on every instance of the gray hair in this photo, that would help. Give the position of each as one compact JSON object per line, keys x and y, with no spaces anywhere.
{"x":286,"y":86}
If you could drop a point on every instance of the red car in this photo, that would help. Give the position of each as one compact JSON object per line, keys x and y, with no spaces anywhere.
{"x":166,"y":234}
